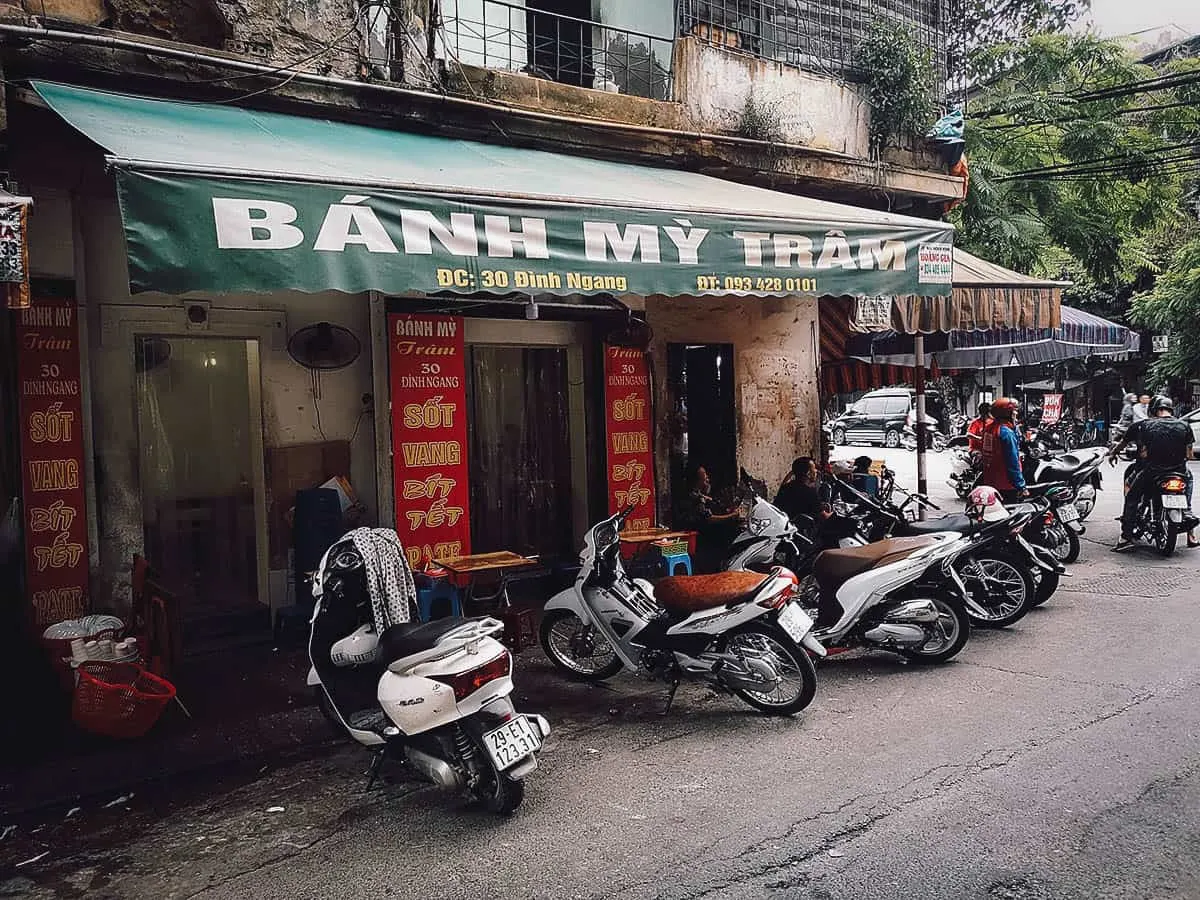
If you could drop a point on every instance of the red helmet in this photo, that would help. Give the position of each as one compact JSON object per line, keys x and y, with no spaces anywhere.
{"x":1006,"y":407}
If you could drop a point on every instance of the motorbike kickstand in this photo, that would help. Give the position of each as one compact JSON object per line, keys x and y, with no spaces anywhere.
{"x":670,"y":696}
{"x":376,"y":767}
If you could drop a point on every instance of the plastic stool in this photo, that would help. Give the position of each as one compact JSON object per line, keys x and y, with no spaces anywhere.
{"x":672,"y":561}
{"x":440,"y":595}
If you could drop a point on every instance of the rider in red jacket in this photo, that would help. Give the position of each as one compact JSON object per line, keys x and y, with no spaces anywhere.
{"x":1002,"y":451}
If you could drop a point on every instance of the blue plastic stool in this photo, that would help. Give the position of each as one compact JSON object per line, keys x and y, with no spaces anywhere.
{"x":673,"y":560}
{"x":438,"y":594}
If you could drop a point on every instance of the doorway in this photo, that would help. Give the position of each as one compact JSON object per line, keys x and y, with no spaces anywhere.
{"x":522,"y":484}
{"x":701,"y":382}
{"x":200,"y":447}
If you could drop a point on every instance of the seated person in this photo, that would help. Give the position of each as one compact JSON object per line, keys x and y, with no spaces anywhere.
{"x":715,"y":531}
{"x":862,"y":478}
{"x":800,"y":495}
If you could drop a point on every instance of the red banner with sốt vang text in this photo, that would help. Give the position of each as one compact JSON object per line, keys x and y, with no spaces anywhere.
{"x":427,"y":363}
{"x":629,"y":435}
{"x":52,"y":461}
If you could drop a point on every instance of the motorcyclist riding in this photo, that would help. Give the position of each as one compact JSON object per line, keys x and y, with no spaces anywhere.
{"x":1002,"y":451}
{"x":1164,"y":444}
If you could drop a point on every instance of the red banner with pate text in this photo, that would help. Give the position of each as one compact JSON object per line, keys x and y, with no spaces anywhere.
{"x":629,"y":435}
{"x":427,"y":362}
{"x":52,"y":461}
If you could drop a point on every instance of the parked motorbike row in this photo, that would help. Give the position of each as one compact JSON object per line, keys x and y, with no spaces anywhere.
{"x":437,"y":696}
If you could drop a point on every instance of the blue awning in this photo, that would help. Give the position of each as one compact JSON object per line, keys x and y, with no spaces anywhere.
{"x":1081,"y":334}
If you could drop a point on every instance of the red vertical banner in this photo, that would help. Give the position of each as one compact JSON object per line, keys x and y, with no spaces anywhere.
{"x":52,"y":462}
{"x":427,"y":363}
{"x":630,"y":436}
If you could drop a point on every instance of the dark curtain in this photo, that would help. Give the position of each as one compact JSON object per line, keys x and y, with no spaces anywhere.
{"x":520,"y":456}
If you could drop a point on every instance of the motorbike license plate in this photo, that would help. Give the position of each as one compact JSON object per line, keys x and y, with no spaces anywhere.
{"x":795,"y":623}
{"x":1174,"y":501}
{"x":511,"y":742}
{"x":1068,"y":513}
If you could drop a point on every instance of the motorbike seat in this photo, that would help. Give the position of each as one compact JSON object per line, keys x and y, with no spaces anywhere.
{"x":833,"y":568}
{"x":409,"y":638}
{"x":693,"y":593}
{"x":957,"y":523}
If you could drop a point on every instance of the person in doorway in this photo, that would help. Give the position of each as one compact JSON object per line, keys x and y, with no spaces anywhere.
{"x":714,"y":530}
{"x":1164,"y":444}
{"x":978,"y":424}
{"x":1141,"y":409}
{"x":1001,"y":449}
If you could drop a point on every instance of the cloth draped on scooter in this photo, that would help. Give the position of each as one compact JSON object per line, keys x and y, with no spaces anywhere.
{"x":389,"y":579}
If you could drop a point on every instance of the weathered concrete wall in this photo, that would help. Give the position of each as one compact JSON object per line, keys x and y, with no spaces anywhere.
{"x":775,"y":354}
{"x":285,"y":31}
{"x":714,"y":86}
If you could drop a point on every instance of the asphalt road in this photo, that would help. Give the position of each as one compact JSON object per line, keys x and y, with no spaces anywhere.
{"x":1055,"y":759}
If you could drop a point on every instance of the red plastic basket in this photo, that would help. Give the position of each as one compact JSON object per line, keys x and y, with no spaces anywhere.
{"x":118,"y":699}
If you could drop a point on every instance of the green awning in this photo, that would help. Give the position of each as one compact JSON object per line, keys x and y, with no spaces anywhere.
{"x":224,"y":199}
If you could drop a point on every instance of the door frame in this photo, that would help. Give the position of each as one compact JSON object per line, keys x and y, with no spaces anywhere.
{"x":120,"y":326}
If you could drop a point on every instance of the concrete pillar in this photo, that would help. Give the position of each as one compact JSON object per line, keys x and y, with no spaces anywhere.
{"x":776,"y":351}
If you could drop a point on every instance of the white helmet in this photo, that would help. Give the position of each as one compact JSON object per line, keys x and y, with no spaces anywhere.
{"x":984,"y":504}
{"x":841,"y":467}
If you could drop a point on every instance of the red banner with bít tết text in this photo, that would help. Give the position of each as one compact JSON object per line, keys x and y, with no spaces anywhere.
{"x":427,"y":361}
{"x":629,"y":434}
{"x":55,"y":512}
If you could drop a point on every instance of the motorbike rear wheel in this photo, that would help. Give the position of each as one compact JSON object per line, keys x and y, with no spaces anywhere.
{"x":954,"y":627}
{"x":1165,"y":537}
{"x":502,"y":795}
{"x":792,"y":664}
{"x":1066,"y":544}
{"x":1002,"y":584}
{"x":563,"y":634}
{"x":1047,"y":584}
{"x":939,"y":442}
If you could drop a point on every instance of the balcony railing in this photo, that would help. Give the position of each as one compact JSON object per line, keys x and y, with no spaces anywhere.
{"x":499,"y":35}
{"x":821,"y":36}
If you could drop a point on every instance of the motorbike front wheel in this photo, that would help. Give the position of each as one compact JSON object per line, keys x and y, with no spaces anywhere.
{"x":797,"y":675}
{"x":578,"y":649}
{"x":1001,"y":584}
{"x":939,"y":442}
{"x":947,"y":636}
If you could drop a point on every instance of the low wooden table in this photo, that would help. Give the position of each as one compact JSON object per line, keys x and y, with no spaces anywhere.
{"x":638,"y":541}
{"x":518,"y":623}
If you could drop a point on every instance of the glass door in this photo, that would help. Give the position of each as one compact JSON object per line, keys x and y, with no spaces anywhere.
{"x":199,"y":426}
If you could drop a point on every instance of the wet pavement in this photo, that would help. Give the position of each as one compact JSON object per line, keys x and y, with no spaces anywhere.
{"x":1054,"y":759}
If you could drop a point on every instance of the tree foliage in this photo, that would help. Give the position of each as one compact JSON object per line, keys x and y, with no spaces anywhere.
{"x":1173,"y":308}
{"x":1067,"y":185}
{"x":978,"y":26}
{"x":900,"y":82}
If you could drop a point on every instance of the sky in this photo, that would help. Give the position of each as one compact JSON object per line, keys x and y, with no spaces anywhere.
{"x":1117,"y":17}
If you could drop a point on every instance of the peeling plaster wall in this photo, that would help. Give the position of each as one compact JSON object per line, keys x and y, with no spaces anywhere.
{"x":774,"y":371}
{"x":714,"y":86}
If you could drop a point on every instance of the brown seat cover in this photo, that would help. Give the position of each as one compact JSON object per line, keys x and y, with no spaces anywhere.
{"x":692,"y":593}
{"x":833,"y":568}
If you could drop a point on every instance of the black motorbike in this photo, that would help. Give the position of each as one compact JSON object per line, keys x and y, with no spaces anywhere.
{"x":1163,"y":511}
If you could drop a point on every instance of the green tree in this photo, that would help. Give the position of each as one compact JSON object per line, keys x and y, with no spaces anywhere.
{"x":977,"y":27}
{"x":1072,"y":168}
{"x":1173,"y":307}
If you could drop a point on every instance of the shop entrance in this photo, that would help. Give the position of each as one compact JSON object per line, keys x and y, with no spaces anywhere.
{"x":701,"y":380}
{"x":522,"y":485}
{"x":200,"y":447}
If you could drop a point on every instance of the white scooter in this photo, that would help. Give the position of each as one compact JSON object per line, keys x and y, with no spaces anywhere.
{"x":740,"y":631}
{"x":433,"y":695}
{"x":900,"y":594}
